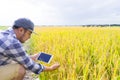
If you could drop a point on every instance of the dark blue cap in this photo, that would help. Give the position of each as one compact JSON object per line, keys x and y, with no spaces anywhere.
{"x":25,"y":23}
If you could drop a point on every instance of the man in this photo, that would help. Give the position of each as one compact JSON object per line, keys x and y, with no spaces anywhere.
{"x":11,"y":50}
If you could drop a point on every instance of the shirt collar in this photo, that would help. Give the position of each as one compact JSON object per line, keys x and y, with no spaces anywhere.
{"x":11,"y":31}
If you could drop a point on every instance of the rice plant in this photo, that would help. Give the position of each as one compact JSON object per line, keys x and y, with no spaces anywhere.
{"x":85,"y":53}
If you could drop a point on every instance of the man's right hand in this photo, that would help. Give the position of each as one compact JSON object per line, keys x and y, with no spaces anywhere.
{"x":53,"y":67}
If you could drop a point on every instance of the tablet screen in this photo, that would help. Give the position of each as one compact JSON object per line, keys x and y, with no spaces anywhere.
{"x":45,"y":57}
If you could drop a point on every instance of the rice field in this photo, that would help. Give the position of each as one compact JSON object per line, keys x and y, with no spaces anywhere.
{"x":84,"y":53}
{"x":3,"y":27}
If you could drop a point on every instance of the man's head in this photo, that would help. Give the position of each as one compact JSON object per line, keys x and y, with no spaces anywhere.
{"x":23,"y":28}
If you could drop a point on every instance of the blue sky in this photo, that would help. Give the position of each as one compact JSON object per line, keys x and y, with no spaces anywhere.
{"x":61,"y":12}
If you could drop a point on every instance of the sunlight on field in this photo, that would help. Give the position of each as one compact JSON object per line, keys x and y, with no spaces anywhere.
{"x":84,"y":53}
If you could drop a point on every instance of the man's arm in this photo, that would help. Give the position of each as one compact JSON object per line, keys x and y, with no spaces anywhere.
{"x":16,"y":52}
{"x":46,"y":68}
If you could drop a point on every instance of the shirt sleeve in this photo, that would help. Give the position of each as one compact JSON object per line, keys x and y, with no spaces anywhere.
{"x":16,"y":52}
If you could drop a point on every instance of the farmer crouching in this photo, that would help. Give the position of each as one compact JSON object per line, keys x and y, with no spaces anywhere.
{"x":11,"y":49}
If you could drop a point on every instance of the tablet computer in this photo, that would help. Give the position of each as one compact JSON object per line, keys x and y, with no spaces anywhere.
{"x":45,"y":57}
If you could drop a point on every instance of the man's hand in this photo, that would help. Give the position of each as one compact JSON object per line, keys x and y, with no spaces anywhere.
{"x":53,"y":67}
{"x":34,"y":57}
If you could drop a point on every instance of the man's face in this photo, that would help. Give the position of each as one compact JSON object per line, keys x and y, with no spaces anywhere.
{"x":24,"y":35}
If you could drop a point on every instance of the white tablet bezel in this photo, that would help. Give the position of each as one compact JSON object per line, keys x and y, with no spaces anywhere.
{"x":48,"y":54}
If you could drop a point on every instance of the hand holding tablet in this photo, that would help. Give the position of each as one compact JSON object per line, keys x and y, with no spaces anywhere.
{"x":45,"y":57}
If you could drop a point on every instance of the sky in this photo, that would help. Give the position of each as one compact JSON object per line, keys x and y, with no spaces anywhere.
{"x":60,"y":12}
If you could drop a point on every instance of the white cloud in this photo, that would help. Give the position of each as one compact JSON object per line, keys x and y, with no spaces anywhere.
{"x":13,"y":9}
{"x":60,"y":11}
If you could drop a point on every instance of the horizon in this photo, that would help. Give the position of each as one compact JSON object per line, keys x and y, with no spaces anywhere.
{"x":71,"y":25}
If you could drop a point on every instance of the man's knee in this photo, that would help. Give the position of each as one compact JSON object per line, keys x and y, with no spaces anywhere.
{"x":13,"y":72}
{"x":21,"y":73}
{"x":22,"y":70}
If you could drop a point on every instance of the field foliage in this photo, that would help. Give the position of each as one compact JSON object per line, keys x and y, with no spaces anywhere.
{"x":85,"y":53}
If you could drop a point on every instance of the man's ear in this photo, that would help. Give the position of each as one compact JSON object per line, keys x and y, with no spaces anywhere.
{"x":21,"y":30}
